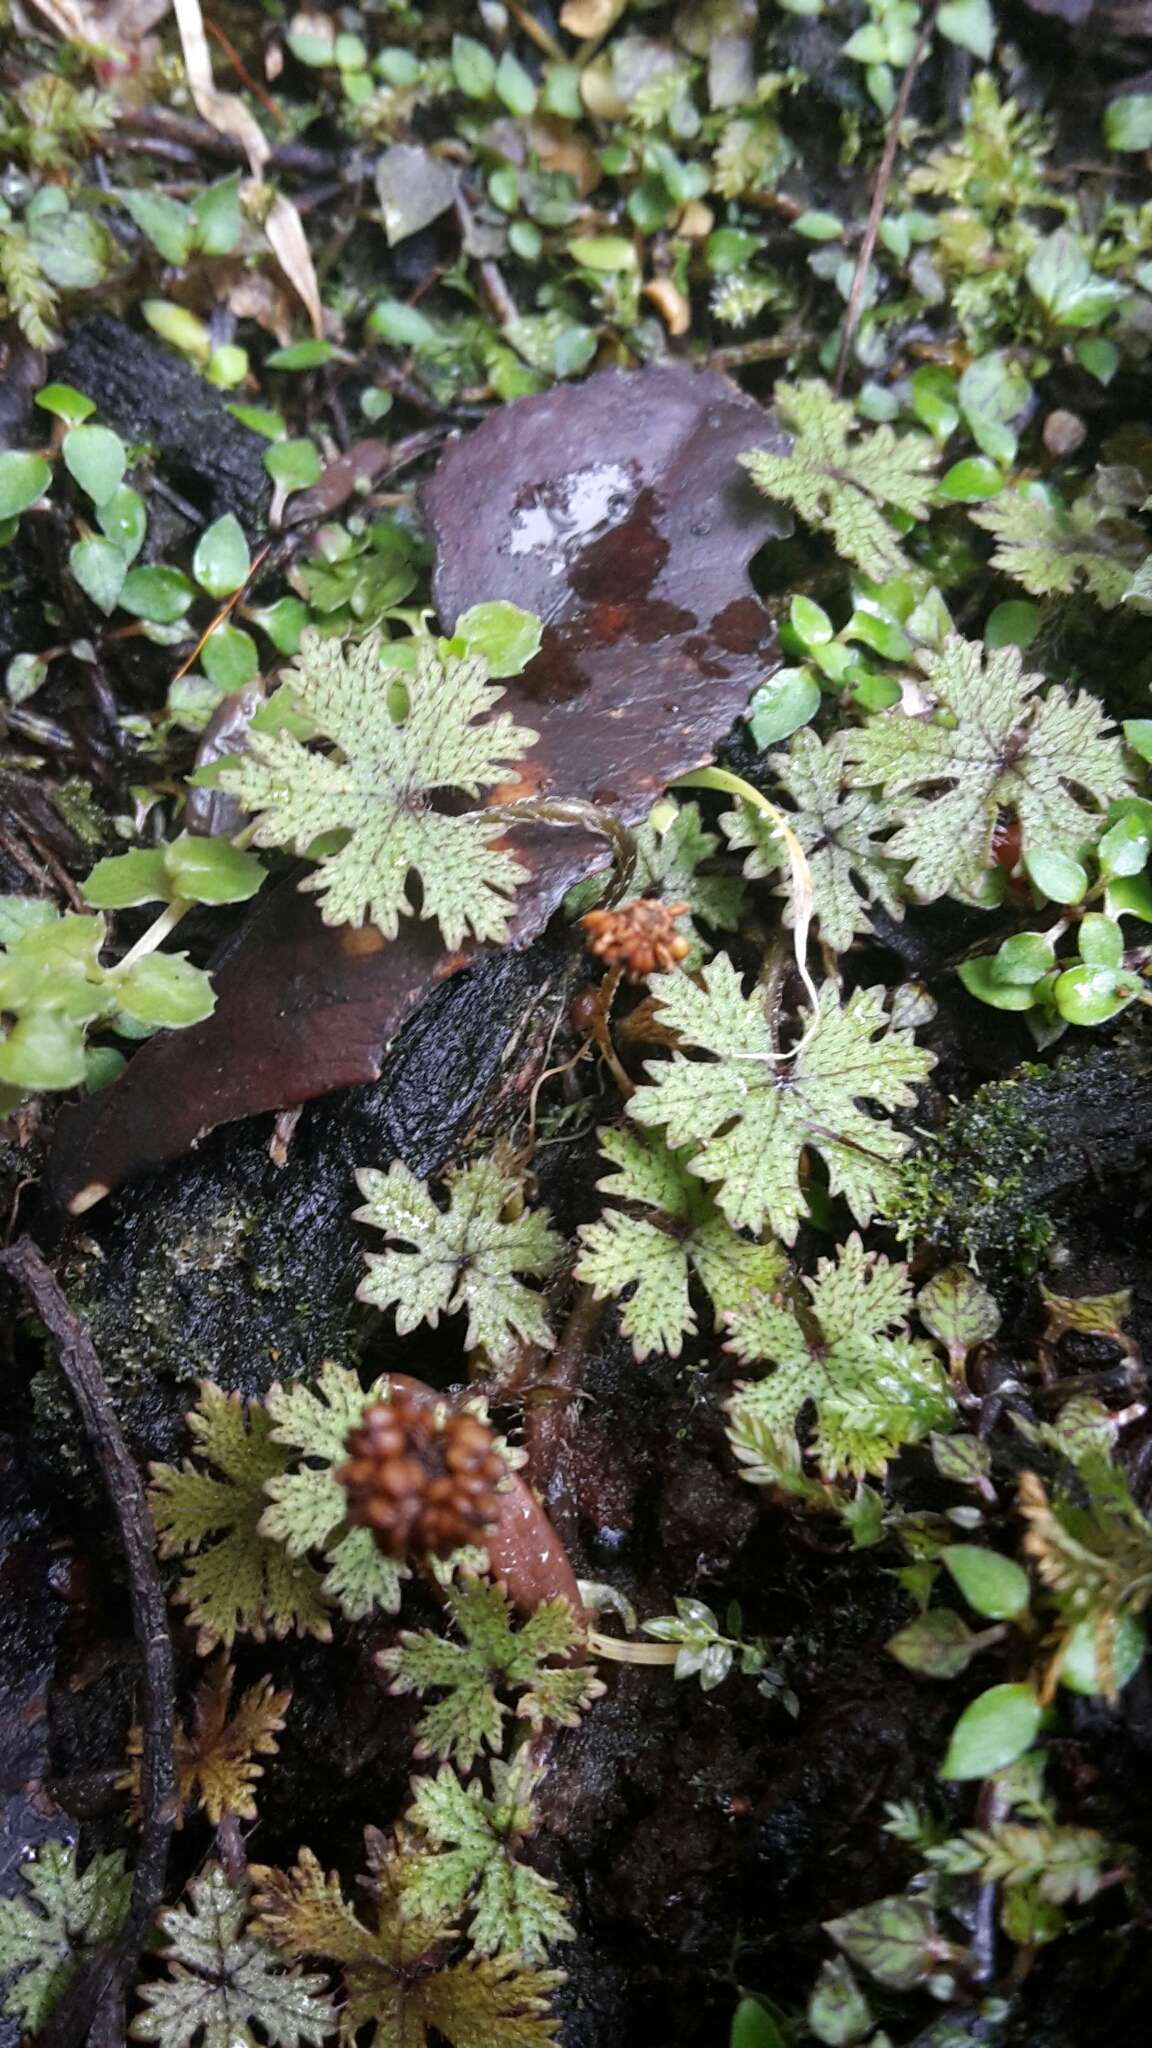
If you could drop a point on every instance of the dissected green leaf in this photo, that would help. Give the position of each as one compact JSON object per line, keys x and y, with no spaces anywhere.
{"x":492,"y":1659}
{"x":462,"y":1258}
{"x":751,"y":1113}
{"x":510,"y":1908}
{"x":1054,"y":549}
{"x":992,"y":745}
{"x":671,"y":862}
{"x":61,"y":1915}
{"x":399,"y":1981}
{"x":242,"y":1580}
{"x":375,"y":784}
{"x":308,"y":1505}
{"x":848,"y":867}
{"x":226,"y":1986}
{"x":651,"y":1258}
{"x":843,"y":485}
{"x":873,"y":1387}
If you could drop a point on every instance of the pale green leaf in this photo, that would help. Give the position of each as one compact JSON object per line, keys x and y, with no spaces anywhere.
{"x":48,"y":1928}
{"x":461,"y":1259}
{"x":848,"y":865}
{"x":226,"y":1987}
{"x":752,"y":1114}
{"x":992,"y":745}
{"x":235,"y":1577}
{"x":651,"y":1259}
{"x":375,"y":783}
{"x":842,"y":485}
{"x":872,"y":1386}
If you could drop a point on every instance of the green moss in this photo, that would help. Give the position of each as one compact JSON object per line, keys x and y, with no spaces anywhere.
{"x":967,"y":1190}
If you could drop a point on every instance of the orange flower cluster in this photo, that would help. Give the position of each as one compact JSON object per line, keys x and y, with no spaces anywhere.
{"x":422,"y":1477}
{"x":640,"y":936}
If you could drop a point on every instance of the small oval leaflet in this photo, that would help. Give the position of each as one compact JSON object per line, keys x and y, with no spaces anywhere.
{"x":997,"y":1728}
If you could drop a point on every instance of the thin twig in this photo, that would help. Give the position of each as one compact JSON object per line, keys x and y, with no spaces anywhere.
{"x":879,"y":198}
{"x":92,"y":2007}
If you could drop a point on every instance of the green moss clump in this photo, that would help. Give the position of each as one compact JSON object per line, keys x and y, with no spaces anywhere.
{"x":967,"y":1190}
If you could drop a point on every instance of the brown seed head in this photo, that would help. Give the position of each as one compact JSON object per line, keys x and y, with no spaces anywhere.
{"x":421,"y":1476}
{"x":640,"y":936}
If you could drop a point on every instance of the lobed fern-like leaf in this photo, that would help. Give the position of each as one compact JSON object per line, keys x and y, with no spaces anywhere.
{"x":61,"y":1916}
{"x":242,"y":1580}
{"x":751,"y":1114}
{"x":377,"y":787}
{"x":1054,"y":549}
{"x":511,"y":1908}
{"x":491,"y":1659}
{"x":650,"y":1259}
{"x":400,"y":1982}
{"x":842,"y":485}
{"x":216,"y":1755}
{"x":464,"y":1257}
{"x":872,"y":1386}
{"x":848,"y":865}
{"x":991,"y":745}
{"x":226,"y":1986}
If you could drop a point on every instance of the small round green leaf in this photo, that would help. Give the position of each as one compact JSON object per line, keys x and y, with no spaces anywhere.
{"x":1012,"y":624}
{"x":993,"y":1585}
{"x":65,"y":402}
{"x":971,"y":479}
{"x":23,"y":479}
{"x":283,"y":622}
{"x":23,"y":676}
{"x":997,"y":1728}
{"x":301,"y":355}
{"x":294,"y":465}
{"x":1101,"y":941}
{"x":126,"y":879}
{"x":1124,"y":848}
{"x":957,"y":1308}
{"x":1091,"y":995}
{"x":603,"y":252}
{"x":1080,"y":1668}
{"x":754,"y":2027}
{"x":1023,"y":959}
{"x":124,"y":519}
{"x":810,"y":622}
{"x":1056,"y":875}
{"x":99,"y":569}
{"x":937,"y":1645}
{"x":980,"y":979}
{"x":164,"y":989}
{"x":43,"y":1050}
{"x":1137,"y":735}
{"x":221,"y":562}
{"x":230,"y":657}
{"x":162,"y":595}
{"x":1128,"y":122}
{"x":96,"y":458}
{"x":506,"y":636}
{"x":212,"y":870}
{"x":782,"y":705}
